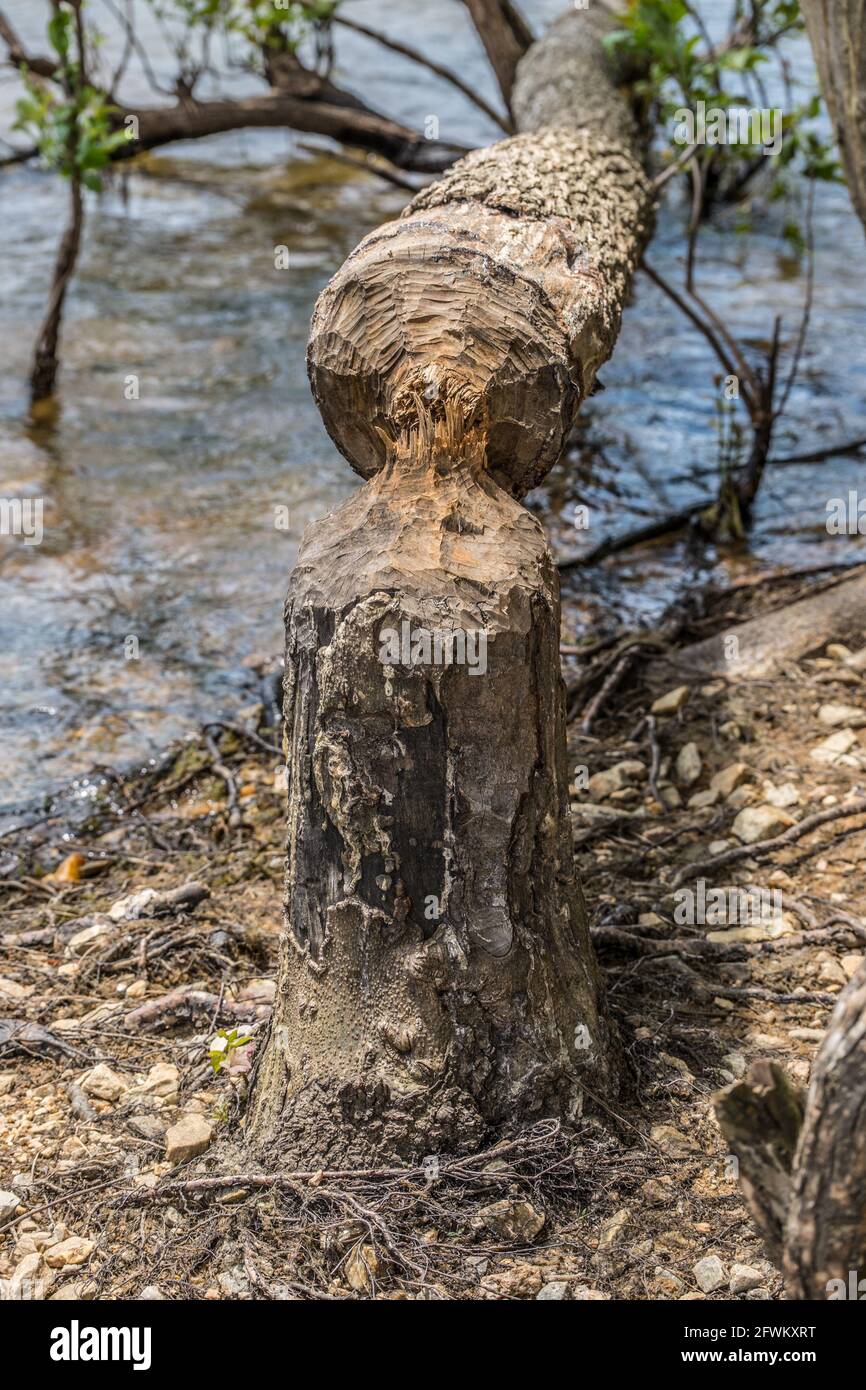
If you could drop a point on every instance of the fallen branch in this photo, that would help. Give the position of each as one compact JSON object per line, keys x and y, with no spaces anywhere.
{"x":790,"y":836}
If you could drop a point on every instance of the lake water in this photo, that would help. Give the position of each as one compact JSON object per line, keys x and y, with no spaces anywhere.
{"x":160,"y":511}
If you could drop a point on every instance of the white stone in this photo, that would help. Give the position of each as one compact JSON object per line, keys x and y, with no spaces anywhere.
{"x":761,"y":823}
{"x":709,"y":1274}
{"x":102,"y":1083}
{"x":743,"y":1278}
{"x":729,"y":778}
{"x":689,"y":764}
{"x":842,"y":716}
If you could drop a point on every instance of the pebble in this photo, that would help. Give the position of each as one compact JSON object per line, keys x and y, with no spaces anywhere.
{"x":517,"y":1223}
{"x":784,"y":796}
{"x":523,"y":1281}
{"x":149,"y":1127}
{"x":13,"y":990}
{"x":729,"y":778}
{"x":735,"y":1062}
{"x":672,"y":1141}
{"x":557,"y":1290}
{"x":689,"y":764}
{"x":834,"y":747}
{"x":74,"y":1251}
{"x":761,"y":823}
{"x":743,"y":1278}
{"x":709,"y":1274}
{"x":81,"y":942}
{"x":9,"y":1204}
{"x":189,"y":1137}
{"x":841,"y":716}
{"x":162,"y":1080}
{"x":672,"y":701}
{"x":701,"y":800}
{"x":667,"y":1283}
{"x":102,"y":1083}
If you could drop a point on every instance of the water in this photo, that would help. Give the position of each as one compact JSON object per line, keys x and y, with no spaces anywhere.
{"x":160,"y":512}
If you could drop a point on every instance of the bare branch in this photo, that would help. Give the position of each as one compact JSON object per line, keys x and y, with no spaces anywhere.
{"x":415,"y":56}
{"x":505,"y":35}
{"x":17,"y":55}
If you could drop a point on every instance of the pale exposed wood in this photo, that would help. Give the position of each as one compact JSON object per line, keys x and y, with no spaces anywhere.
{"x":503,"y":284}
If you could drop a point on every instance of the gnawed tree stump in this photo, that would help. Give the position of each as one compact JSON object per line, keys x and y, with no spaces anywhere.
{"x":802,"y":1161}
{"x":437,"y":980}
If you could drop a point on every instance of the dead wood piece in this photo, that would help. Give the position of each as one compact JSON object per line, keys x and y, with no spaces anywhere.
{"x":185,"y":1003}
{"x":760,"y":1118}
{"x":30,"y":1039}
{"x":764,"y":645}
{"x":825,"y":1234}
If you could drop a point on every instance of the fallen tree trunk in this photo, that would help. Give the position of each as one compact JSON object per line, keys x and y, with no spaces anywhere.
{"x":802,"y":1164}
{"x":437,"y":980}
{"x":762,"y":646}
{"x":837,"y":29}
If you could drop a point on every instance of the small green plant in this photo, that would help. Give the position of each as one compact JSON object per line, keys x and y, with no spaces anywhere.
{"x":682,"y":68}
{"x":73,"y":131}
{"x":227,"y":1043}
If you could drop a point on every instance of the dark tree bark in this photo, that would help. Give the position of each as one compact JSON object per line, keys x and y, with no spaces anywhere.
{"x":506,"y":37}
{"x":346,"y":121}
{"x":43,"y":375}
{"x":437,"y":980}
{"x":760,"y":1118}
{"x":802,"y":1162}
{"x":825,"y":1236}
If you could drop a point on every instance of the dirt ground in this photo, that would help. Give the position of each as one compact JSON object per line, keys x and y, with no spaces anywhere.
{"x":110,"y":1008}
